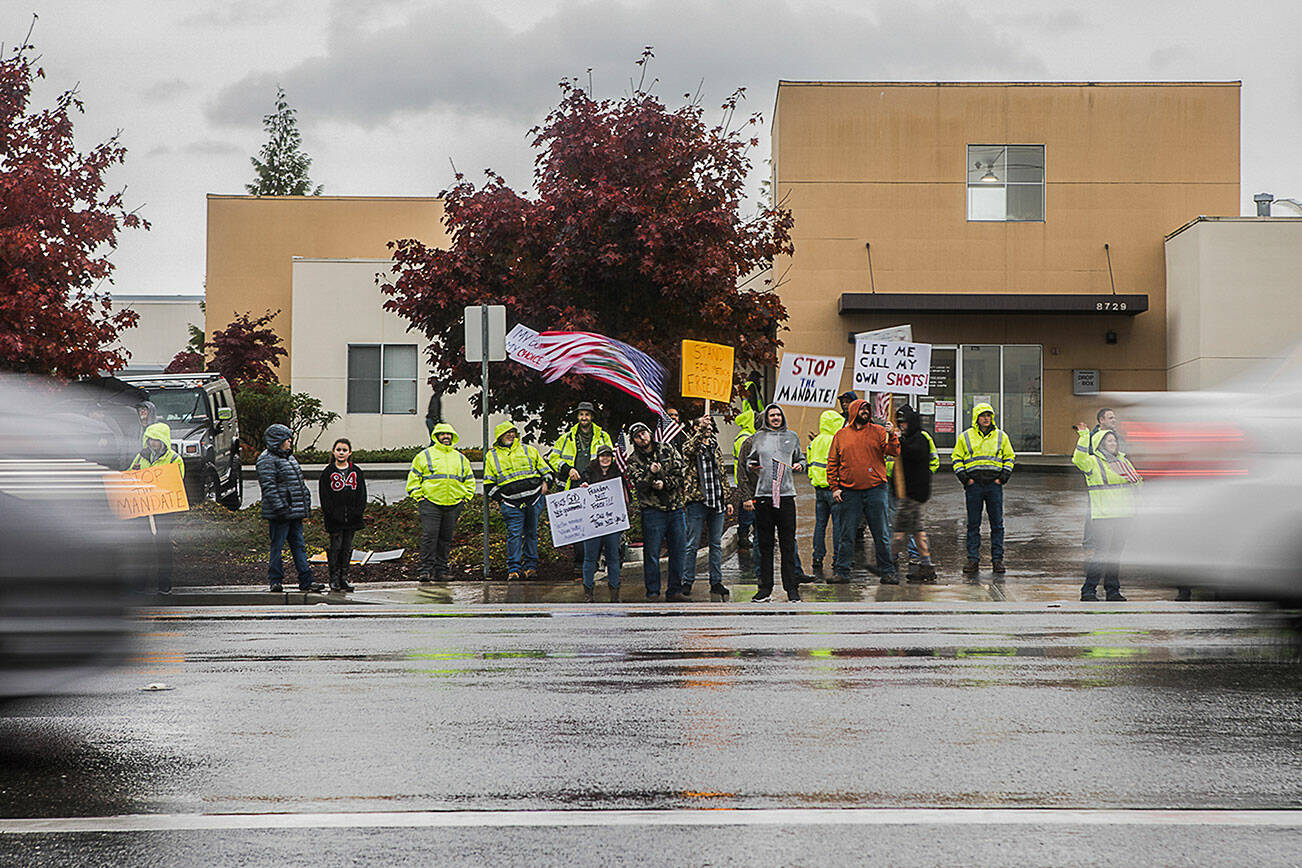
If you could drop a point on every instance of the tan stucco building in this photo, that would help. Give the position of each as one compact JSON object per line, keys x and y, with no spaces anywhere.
{"x":984,"y":210}
{"x":1232,"y":288}
{"x":252,"y":241}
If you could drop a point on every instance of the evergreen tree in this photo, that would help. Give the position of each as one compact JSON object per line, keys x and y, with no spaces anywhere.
{"x":281,"y":165}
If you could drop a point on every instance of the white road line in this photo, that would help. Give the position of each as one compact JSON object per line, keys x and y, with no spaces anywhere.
{"x":688,"y":817}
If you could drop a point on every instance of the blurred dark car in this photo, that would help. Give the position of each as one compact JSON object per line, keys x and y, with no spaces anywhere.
{"x":64,"y":572}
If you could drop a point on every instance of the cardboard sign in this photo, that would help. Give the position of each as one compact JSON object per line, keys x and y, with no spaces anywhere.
{"x":895,"y":367}
{"x":808,"y":381}
{"x":524,"y":345}
{"x":584,"y":513}
{"x":148,"y":491}
{"x":707,"y":371}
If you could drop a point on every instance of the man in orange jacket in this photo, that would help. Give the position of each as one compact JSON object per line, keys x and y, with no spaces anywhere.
{"x":856,"y":474}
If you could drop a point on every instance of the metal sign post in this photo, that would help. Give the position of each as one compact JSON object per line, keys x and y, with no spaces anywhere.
{"x":485,"y":341}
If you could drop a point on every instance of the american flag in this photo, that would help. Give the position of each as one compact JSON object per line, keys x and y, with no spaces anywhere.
{"x":626,"y":368}
{"x":882,"y":405}
{"x":669,"y":429}
{"x":777,"y":483}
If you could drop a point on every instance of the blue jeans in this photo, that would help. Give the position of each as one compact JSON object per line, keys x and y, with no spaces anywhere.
{"x":290,"y":531}
{"x":745,"y":523}
{"x":660,"y":527}
{"x":854,"y":503}
{"x":704,"y":525}
{"x":825,"y":508}
{"x":991,"y":496}
{"x":592,"y":549}
{"x":522,"y":534}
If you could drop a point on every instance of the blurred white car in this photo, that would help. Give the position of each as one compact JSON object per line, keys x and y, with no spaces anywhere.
{"x":1221,"y":505}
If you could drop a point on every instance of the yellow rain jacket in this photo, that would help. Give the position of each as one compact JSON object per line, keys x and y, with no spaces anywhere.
{"x":1112,"y":490}
{"x":157,"y":431}
{"x":816,"y":456}
{"x":746,"y":422}
{"x":515,"y":474}
{"x":441,"y":474}
{"x":566,"y":450}
{"x":983,"y":457}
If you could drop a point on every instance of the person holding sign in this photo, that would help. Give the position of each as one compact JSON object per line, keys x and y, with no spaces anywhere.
{"x":983,"y":462}
{"x":709,"y":504}
{"x":656,"y":471}
{"x":157,"y":450}
{"x":573,"y":452}
{"x":515,"y":475}
{"x":770,"y":459}
{"x":441,"y":482}
{"x":602,"y":469}
{"x":856,"y":474}
{"x":285,"y":503}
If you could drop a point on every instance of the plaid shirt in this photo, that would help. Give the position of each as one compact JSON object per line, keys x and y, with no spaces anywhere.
{"x":706,"y":482}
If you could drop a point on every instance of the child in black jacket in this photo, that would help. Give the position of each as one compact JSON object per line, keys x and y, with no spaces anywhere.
{"x":343,"y":500}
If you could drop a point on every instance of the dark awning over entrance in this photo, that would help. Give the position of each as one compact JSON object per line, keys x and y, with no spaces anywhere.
{"x":1001,"y":303}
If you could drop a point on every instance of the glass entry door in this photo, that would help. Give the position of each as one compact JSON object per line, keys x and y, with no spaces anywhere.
{"x":939,"y":410}
{"x":1005,"y":376}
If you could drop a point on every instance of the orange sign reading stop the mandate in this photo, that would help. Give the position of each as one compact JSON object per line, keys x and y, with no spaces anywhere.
{"x":148,"y":491}
{"x":707,"y":371}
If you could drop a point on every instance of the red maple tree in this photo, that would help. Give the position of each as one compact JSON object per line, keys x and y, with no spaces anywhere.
{"x":57,"y":230}
{"x":248,"y":350}
{"x":635,"y":232}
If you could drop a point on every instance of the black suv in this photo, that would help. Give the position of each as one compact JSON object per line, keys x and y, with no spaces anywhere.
{"x":200,"y":410}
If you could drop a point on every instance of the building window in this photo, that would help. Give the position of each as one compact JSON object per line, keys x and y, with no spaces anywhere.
{"x":382,"y":378}
{"x":1005,"y":183}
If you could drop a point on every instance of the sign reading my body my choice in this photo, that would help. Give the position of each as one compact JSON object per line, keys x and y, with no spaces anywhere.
{"x":583,"y":513}
{"x":892,"y":366}
{"x":808,"y":381}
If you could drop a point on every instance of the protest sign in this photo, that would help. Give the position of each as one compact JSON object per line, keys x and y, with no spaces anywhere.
{"x":808,"y":381}
{"x":582,"y":513}
{"x":895,"y":367}
{"x":707,"y":371}
{"x":148,"y":491}
{"x":524,"y":345}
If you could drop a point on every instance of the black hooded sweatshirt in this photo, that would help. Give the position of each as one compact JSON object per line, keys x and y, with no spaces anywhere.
{"x":915,"y":456}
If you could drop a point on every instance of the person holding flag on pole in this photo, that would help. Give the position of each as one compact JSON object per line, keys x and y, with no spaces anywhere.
{"x":770,"y":459}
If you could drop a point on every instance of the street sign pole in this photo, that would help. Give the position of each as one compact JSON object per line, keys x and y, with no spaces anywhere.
{"x":483,"y":318}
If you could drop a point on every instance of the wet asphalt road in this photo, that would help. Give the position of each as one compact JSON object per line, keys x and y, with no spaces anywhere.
{"x":717,"y":723}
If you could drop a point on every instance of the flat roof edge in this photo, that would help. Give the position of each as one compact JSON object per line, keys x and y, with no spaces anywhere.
{"x":326,"y":198}
{"x":1200,"y":83}
{"x":1231,"y":218}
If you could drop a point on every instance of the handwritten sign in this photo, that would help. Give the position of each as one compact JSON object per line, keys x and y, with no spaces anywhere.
{"x":892,"y":366}
{"x":524,"y":345}
{"x":808,"y":381}
{"x":148,"y":491}
{"x":707,"y":371}
{"x":583,"y":513}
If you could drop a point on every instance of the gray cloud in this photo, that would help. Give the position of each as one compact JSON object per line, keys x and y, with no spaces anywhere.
{"x":166,"y":90}
{"x":460,"y":58}
{"x":211,"y":148}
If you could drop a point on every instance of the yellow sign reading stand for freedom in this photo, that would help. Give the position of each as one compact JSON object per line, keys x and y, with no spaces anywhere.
{"x":707,"y":371}
{"x":148,"y":491}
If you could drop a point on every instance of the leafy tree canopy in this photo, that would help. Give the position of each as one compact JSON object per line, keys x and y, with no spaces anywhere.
{"x":248,"y":350}
{"x":57,"y":231}
{"x":281,"y":166}
{"x":635,"y":232}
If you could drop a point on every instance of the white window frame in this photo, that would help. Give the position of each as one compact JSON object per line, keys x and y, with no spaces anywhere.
{"x":384,"y":380}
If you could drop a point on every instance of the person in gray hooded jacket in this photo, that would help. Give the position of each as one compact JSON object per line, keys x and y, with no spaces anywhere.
{"x":772,"y":455}
{"x":286,"y":501}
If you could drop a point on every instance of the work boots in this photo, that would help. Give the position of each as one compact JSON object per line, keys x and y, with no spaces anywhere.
{"x":614,"y":595}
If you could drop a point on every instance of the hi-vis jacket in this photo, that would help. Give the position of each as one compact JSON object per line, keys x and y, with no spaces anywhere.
{"x":1111,"y":484}
{"x":933,"y":462}
{"x":746,"y":422}
{"x":515,"y":475}
{"x":566,"y":449}
{"x":983,"y":457}
{"x":816,"y":456}
{"x":441,"y":474}
{"x":157,"y":431}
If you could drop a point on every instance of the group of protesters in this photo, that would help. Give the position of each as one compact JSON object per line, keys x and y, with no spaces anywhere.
{"x":870,"y":476}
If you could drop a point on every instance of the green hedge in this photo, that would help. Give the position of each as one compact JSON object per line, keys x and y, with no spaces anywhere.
{"x":396,"y":455}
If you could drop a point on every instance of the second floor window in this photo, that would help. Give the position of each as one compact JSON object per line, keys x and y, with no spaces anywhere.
{"x":1005,"y":183}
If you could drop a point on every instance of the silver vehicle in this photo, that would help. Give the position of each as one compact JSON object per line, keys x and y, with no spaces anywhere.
{"x":200,"y":410}
{"x":1222,"y":500}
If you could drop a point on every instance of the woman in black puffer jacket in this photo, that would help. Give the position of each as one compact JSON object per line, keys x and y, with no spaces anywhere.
{"x":285,"y":503}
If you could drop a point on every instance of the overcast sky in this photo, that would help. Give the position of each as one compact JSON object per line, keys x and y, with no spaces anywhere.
{"x":390,"y":93}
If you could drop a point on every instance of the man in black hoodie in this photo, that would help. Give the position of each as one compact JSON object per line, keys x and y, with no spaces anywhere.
{"x":915,"y":464}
